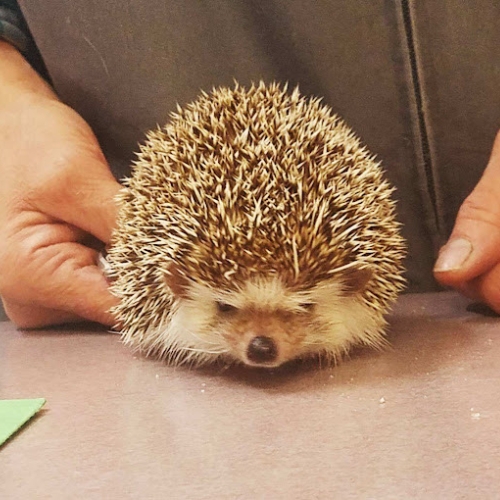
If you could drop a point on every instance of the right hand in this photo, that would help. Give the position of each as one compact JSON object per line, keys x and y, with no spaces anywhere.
{"x":56,"y":200}
{"x":470,"y":261}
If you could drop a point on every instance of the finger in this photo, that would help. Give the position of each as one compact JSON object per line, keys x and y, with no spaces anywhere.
{"x":86,"y":292}
{"x":84,"y":196}
{"x":485,"y":288}
{"x":90,"y":297}
{"x":29,"y":316}
{"x":35,"y":230}
{"x":76,"y":285}
{"x":474,"y":245}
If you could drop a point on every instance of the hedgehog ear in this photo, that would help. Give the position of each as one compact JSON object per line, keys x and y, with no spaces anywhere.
{"x":176,"y":281}
{"x":356,"y":279}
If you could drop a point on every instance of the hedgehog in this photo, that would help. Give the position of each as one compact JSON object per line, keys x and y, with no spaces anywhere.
{"x":254,"y":228}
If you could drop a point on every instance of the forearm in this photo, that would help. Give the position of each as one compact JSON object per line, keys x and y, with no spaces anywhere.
{"x":17,"y":77}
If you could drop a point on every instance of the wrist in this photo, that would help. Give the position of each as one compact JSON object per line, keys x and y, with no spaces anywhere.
{"x":18,"y":78}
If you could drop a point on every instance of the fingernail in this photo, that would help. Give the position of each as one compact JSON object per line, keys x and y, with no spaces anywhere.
{"x":453,"y":255}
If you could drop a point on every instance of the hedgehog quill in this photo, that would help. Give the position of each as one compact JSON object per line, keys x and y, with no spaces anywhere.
{"x":255,"y":228}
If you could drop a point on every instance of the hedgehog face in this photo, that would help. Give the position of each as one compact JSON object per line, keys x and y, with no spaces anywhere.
{"x":263,"y":323}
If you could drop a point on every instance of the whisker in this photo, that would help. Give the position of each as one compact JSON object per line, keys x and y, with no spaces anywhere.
{"x":204,"y":351}
{"x":313,"y":342}
{"x":198,"y":337}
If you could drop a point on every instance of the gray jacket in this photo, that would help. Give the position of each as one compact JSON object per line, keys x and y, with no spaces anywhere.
{"x":418,"y":80}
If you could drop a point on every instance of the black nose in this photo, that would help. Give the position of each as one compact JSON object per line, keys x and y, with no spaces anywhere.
{"x":262,"y":350}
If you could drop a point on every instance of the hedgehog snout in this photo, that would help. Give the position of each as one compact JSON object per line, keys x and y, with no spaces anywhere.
{"x":262,"y":350}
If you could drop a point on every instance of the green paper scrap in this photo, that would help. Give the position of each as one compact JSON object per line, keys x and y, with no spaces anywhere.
{"x":14,"y":413}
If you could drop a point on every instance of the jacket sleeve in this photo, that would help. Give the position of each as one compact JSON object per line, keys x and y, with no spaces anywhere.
{"x":13,"y":29}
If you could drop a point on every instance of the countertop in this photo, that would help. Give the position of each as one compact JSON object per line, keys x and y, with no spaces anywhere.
{"x":419,"y":420}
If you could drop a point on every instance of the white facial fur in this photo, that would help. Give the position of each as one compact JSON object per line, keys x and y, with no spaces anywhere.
{"x":325,"y":320}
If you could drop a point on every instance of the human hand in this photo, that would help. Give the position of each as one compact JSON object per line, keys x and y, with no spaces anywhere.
{"x":470,"y":260}
{"x":56,"y":200}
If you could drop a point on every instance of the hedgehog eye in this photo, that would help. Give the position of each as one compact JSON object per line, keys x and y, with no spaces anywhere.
{"x":307,"y":306}
{"x":225,"y":308}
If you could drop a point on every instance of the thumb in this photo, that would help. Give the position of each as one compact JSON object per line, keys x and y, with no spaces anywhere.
{"x":94,"y":306}
{"x":84,"y":196}
{"x":474,"y":245}
{"x":89,"y":297}
{"x":76,"y":285}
